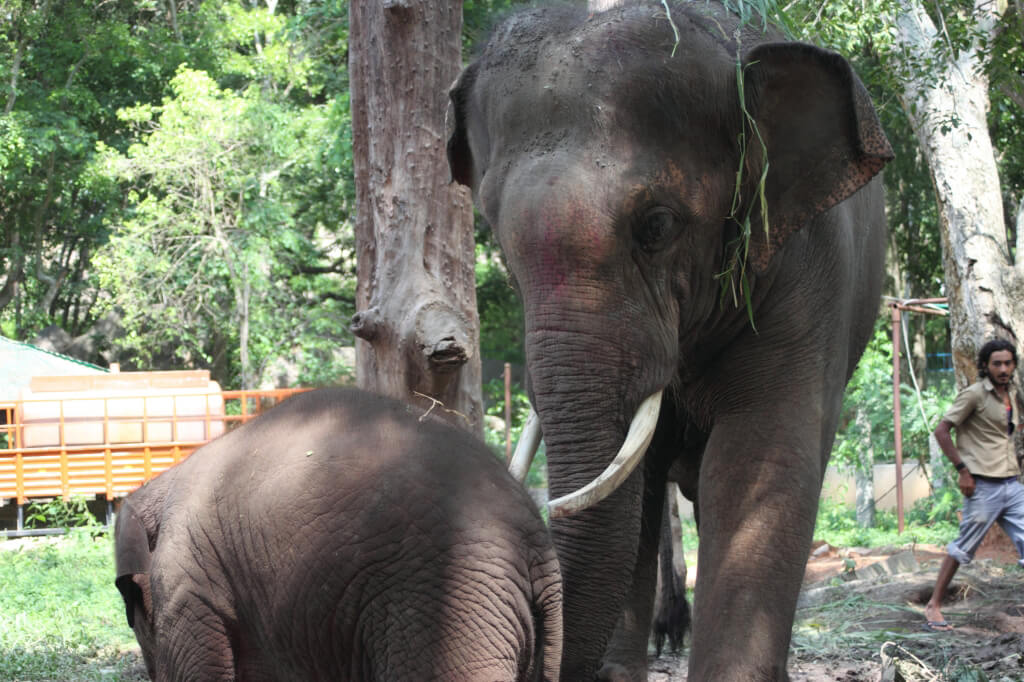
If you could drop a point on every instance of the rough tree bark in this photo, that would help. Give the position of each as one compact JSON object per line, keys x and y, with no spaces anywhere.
{"x":946,"y":99}
{"x":417,"y":325}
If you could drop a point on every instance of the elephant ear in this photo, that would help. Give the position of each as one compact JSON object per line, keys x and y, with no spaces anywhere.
{"x":132,"y":556}
{"x":460,"y":156}
{"x":823,"y":137}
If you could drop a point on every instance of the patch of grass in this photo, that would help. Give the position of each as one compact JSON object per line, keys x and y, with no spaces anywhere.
{"x":837,"y":525}
{"x":841,"y":629}
{"x":62,"y":617}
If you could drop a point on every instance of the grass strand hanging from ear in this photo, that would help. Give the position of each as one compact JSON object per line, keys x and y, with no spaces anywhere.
{"x":734,"y":273}
{"x":734,"y":278}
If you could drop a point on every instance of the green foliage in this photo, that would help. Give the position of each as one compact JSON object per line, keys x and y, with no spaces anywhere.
{"x":869,"y":395}
{"x":940,"y":507}
{"x":494,"y":397}
{"x":501,"y":312}
{"x":229,"y":115}
{"x":837,"y":525}
{"x":61,"y":86}
{"x":211,"y":257}
{"x":61,"y":513}
{"x":62,"y":617}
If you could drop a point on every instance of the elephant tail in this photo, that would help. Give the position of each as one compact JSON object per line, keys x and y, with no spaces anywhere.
{"x":672,"y":612}
{"x":671,"y":624}
{"x":546,"y":579}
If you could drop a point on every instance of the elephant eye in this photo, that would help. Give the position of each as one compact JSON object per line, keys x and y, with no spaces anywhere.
{"x":658,"y":227}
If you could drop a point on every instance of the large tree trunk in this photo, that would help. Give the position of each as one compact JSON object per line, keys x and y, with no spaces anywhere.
{"x":946,"y":98}
{"x":417,"y":324}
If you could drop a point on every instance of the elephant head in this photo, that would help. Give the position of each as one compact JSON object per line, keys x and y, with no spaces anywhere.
{"x":634,"y":166}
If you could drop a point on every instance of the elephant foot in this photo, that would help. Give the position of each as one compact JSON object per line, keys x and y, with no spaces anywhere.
{"x":615,"y":672}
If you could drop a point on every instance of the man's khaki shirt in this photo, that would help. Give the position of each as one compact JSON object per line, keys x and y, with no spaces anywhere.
{"x":979,"y":416}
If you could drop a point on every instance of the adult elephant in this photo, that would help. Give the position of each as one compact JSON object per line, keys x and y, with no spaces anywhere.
{"x":619,"y":159}
{"x":340,"y":537}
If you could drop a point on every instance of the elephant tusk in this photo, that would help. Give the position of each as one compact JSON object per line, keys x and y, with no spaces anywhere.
{"x":641,"y":431}
{"x":526,"y":448}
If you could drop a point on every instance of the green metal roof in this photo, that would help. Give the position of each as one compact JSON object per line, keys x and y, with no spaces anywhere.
{"x":19,"y":362}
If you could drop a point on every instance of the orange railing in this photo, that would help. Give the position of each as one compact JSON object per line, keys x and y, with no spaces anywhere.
{"x":108,"y":452}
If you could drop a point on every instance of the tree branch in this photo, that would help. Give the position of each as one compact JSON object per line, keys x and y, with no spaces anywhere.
{"x":15,"y":68}
{"x":15,"y":274}
{"x":173,"y":12}
{"x":1015,"y":95}
{"x":335,"y":268}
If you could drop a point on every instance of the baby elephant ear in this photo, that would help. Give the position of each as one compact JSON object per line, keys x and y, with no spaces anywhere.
{"x":822,"y":135}
{"x":132,"y":556}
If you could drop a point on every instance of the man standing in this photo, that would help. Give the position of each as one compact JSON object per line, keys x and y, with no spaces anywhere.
{"x":984,"y":415}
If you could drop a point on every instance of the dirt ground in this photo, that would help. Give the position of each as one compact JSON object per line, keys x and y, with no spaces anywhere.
{"x":861,"y":615}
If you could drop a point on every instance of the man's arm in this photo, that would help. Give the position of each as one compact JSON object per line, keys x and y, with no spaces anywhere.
{"x":945,"y":440}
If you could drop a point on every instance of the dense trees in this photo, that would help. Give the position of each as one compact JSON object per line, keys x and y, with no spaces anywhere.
{"x":184,"y":169}
{"x":945,"y":92}
{"x":935,"y":68}
{"x":950,"y":236}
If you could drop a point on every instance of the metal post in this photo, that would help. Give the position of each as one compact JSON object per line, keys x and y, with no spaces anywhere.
{"x":898,"y":428}
{"x":21,"y":517}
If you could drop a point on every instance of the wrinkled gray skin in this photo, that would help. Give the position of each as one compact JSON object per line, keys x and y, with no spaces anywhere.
{"x":337,"y":537}
{"x":606,"y":168}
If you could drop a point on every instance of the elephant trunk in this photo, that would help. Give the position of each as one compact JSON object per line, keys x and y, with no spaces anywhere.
{"x":585,"y":413}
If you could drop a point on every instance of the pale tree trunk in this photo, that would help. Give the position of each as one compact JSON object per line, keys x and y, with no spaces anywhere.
{"x":864,"y":476}
{"x":947,"y":102}
{"x":417,"y":324}
{"x":1019,"y":250}
{"x":936,"y":463}
{"x":243,"y":295}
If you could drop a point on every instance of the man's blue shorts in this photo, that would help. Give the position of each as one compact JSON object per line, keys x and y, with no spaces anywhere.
{"x":994,"y":500}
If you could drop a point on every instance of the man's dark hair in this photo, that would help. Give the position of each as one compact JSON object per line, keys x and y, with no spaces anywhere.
{"x":988,"y":349}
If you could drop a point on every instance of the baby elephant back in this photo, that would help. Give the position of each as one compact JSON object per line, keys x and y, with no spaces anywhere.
{"x":346,"y":537}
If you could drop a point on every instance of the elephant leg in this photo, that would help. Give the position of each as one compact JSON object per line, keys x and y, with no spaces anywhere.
{"x":759,"y":486}
{"x":626,"y":657}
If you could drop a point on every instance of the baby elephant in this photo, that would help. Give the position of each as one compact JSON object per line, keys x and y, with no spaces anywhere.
{"x":339,"y":537}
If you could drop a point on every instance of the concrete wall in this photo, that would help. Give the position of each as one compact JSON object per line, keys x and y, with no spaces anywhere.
{"x":840,"y":487}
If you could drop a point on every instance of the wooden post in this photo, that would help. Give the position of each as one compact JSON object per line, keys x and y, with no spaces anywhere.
{"x":19,"y":479}
{"x":65,"y":490}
